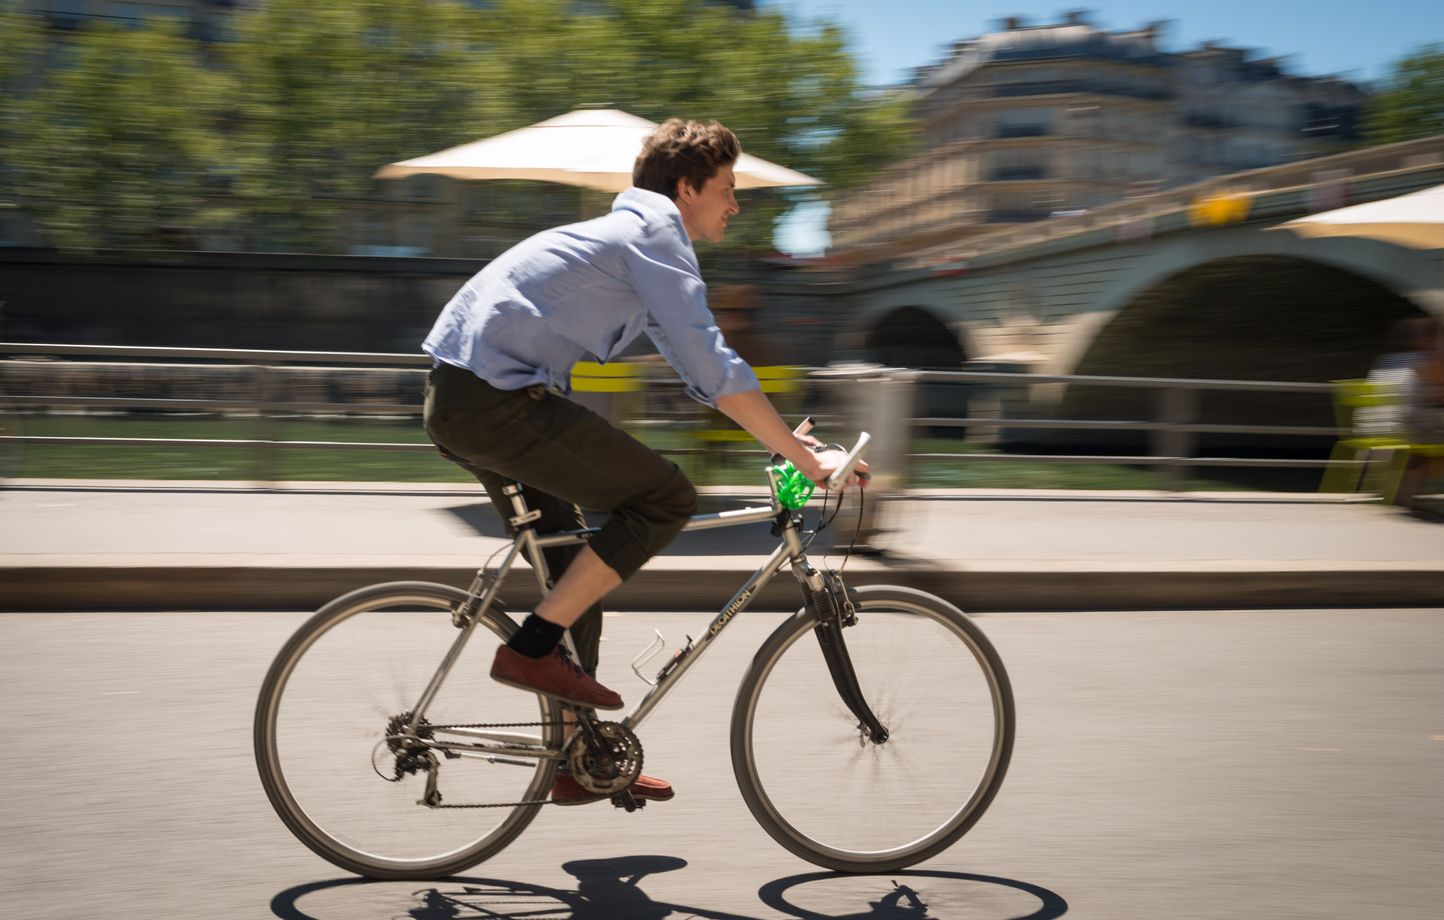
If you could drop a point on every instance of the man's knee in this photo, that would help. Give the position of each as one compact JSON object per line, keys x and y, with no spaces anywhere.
{"x":675,"y":503}
{"x":640,"y":529}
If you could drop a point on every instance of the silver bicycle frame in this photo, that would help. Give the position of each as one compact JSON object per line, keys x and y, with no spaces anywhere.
{"x":513,"y":747}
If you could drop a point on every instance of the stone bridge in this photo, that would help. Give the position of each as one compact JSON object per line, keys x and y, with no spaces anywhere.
{"x":1195,"y":282}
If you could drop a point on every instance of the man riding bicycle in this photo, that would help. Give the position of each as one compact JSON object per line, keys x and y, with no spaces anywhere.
{"x":496,"y":401}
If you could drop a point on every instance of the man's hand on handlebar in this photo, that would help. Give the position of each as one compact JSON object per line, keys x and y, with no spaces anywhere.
{"x":825,"y":460}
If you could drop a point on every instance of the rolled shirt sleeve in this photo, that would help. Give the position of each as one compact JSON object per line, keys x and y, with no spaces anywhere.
{"x":666,"y":277}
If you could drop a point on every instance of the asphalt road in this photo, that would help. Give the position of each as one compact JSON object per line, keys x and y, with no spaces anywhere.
{"x":1273,"y":764}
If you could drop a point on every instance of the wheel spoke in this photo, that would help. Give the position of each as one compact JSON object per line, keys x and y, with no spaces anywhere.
{"x":933,"y":681}
{"x":356,"y":667}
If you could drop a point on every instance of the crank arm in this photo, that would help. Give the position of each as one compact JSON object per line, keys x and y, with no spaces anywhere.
{"x":625,"y":799}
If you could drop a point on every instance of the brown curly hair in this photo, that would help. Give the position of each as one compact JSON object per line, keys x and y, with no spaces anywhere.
{"x":690,"y":150}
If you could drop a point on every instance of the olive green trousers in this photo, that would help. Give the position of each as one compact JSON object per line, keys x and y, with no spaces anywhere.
{"x":566,"y":458}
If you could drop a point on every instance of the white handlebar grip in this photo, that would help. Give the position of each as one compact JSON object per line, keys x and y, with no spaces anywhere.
{"x":835,"y":481}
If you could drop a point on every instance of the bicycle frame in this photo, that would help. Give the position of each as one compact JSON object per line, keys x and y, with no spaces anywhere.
{"x":512,"y":747}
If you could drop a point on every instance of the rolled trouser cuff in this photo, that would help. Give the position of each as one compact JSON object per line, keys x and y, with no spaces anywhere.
{"x":641,"y":529}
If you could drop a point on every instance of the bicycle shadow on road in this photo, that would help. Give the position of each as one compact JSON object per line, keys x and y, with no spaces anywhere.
{"x":609,"y":889}
{"x":911,"y":894}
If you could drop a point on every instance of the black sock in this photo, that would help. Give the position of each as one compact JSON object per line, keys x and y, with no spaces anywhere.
{"x":537,"y":637}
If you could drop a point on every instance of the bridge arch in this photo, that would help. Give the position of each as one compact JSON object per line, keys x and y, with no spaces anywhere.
{"x":913,"y":337}
{"x":1287,"y":267}
{"x":1245,"y":317}
{"x":918,"y":338}
{"x":1249,"y":317}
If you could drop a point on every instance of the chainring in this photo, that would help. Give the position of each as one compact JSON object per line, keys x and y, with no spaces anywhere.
{"x":613,"y":767}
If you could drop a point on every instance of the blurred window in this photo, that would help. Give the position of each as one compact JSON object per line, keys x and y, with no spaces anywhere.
{"x":1024,"y":122}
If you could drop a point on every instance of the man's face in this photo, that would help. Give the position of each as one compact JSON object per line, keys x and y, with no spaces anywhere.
{"x":705,"y":211}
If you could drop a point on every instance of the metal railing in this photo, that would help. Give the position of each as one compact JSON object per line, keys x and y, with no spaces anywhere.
{"x":1173,"y":426}
{"x":265,"y":401}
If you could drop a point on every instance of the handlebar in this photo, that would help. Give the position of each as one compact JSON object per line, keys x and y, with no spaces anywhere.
{"x":839,"y":476}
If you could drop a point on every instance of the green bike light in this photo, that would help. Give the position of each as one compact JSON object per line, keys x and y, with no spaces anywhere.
{"x":793,"y":488}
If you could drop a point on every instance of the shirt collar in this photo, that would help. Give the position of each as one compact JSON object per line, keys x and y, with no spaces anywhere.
{"x":649,"y":205}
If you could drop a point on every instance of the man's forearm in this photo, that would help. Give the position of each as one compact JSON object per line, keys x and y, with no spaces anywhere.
{"x":756,"y":414}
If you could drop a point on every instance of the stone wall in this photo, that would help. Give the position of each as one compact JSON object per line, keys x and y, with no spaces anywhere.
{"x":224,"y":300}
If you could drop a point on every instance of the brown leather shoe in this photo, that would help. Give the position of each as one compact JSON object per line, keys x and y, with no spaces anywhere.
{"x":554,"y":675}
{"x":567,"y":791}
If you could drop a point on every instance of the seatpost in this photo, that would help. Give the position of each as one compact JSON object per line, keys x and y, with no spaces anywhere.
{"x":519,"y":514}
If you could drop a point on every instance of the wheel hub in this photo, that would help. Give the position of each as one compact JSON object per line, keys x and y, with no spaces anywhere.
{"x":409,"y":750}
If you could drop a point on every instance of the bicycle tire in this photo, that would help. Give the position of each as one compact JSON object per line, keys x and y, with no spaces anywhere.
{"x":989,"y":690}
{"x":389,"y":599}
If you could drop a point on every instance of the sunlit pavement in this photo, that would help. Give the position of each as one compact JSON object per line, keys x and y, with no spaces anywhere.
{"x":106,"y":546}
{"x":1180,"y":765}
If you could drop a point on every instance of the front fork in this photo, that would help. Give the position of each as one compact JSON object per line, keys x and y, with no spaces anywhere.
{"x":827,"y":598}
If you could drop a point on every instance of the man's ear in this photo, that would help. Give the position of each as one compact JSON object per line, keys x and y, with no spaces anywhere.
{"x":686,"y":190}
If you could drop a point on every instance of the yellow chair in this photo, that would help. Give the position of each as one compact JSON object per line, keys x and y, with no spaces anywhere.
{"x":607,"y":389}
{"x":1370,"y":416}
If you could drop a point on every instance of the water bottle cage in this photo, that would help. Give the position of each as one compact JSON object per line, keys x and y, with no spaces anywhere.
{"x":675,"y":660}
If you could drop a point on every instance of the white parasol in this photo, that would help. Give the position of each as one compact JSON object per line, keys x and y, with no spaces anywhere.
{"x":592,"y":148}
{"x":1415,"y":220}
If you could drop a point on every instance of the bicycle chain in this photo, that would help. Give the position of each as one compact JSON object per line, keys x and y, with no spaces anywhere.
{"x":497,"y":725}
{"x":493,"y":804}
{"x":494,"y":725}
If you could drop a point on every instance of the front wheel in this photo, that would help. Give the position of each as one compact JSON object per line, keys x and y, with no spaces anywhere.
{"x":819,"y":783}
{"x":334,"y":703}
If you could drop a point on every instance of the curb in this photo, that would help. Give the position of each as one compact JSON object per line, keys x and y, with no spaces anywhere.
{"x":46,"y":588}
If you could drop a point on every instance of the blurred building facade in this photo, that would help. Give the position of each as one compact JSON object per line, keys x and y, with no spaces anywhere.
{"x":1031,"y":121}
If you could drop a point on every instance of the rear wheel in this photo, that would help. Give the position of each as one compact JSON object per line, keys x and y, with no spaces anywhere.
{"x":326,"y":736}
{"x":822,"y":787}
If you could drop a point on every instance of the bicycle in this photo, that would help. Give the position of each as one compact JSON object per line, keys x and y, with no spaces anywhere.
{"x":907,"y":750}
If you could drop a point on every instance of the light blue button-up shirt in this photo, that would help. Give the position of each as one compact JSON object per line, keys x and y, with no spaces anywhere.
{"x":590,"y":288}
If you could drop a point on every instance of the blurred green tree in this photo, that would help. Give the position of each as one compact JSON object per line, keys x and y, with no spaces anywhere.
{"x":272,"y":136}
{"x":330,"y":92}
{"x":792,"y":94}
{"x":21,"y":47}
{"x":1410,"y":103}
{"x":113,"y":145}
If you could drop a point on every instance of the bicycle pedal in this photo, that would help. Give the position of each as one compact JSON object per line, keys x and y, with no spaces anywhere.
{"x":625,"y":799}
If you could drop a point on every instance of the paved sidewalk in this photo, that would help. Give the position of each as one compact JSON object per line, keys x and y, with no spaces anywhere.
{"x":88,"y":545}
